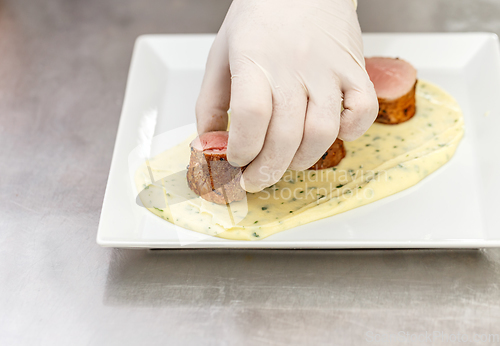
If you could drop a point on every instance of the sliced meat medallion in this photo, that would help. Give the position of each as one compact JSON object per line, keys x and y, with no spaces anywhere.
{"x":395,"y":82}
{"x":211,"y":176}
{"x":209,"y":173}
{"x":332,"y":156}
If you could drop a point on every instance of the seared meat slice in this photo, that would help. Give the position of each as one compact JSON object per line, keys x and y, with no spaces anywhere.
{"x":395,"y":82}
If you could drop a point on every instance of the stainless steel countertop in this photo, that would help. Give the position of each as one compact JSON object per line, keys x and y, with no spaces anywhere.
{"x":63,"y":67}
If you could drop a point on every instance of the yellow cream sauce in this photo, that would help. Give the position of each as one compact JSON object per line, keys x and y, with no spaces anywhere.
{"x":385,"y":160}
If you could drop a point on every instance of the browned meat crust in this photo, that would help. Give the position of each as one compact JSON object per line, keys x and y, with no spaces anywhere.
{"x":332,"y":157}
{"x":213,"y":178}
{"x":399,"y":110}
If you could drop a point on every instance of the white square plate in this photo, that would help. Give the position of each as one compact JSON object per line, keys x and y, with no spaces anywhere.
{"x":455,"y":207}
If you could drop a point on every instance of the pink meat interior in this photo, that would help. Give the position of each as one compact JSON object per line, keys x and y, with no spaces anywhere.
{"x":392,"y":78}
{"x":211,"y":142}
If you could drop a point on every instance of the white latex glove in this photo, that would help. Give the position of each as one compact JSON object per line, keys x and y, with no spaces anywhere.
{"x":284,"y":67}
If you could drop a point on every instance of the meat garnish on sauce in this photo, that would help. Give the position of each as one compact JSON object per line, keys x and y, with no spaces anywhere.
{"x":209,"y":173}
{"x":395,"y":82}
{"x":213,"y":178}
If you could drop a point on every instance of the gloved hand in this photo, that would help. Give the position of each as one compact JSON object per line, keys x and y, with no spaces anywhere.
{"x":285,"y":67}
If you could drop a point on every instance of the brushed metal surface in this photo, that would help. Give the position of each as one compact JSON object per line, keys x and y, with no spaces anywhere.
{"x":63,"y":67}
